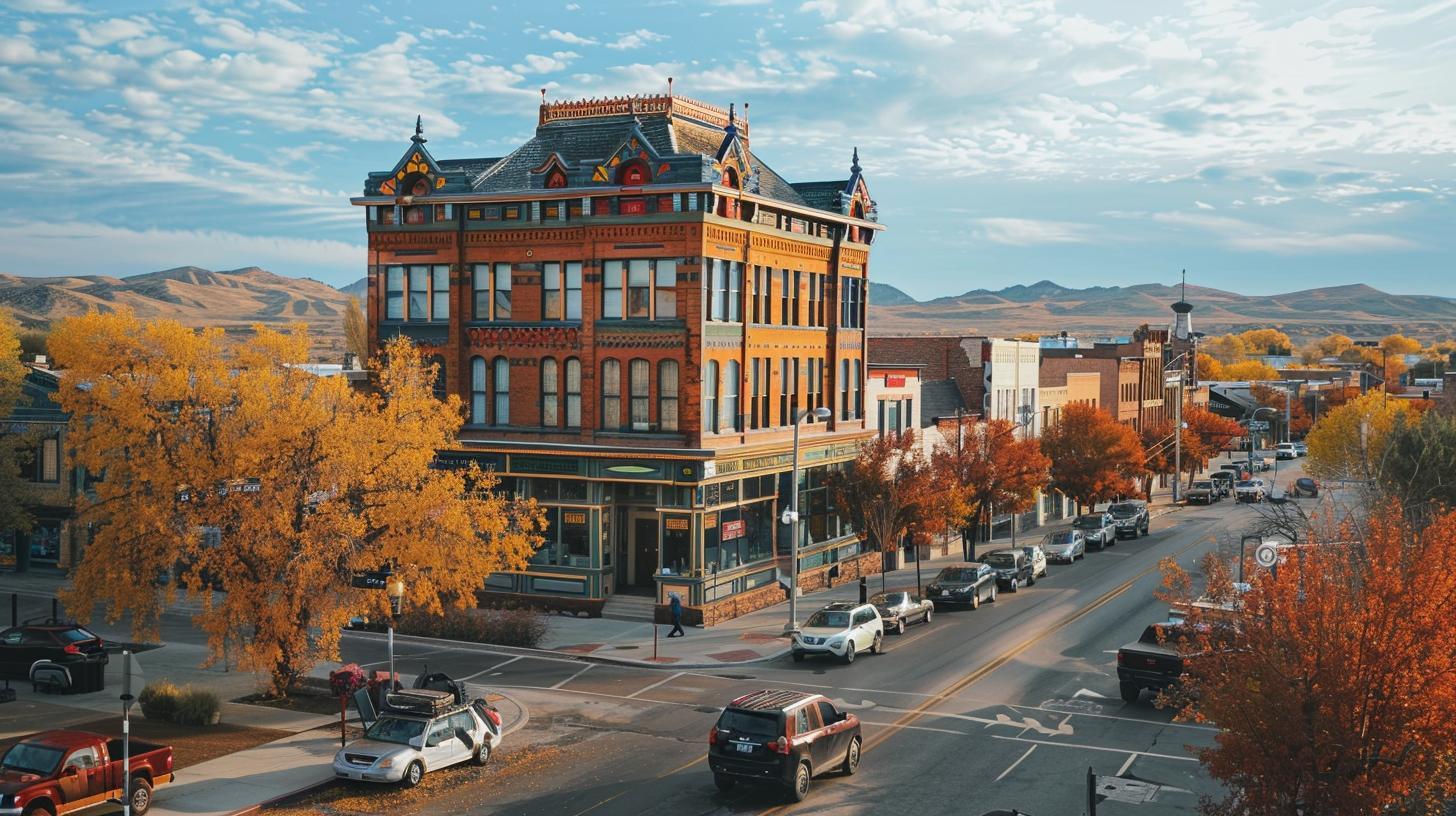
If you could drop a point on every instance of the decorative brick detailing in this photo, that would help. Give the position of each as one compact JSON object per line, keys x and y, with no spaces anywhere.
{"x":559,"y":337}
{"x":559,"y":235}
{"x":411,"y":240}
{"x":577,"y":109}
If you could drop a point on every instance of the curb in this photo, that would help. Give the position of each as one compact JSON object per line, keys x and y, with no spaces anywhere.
{"x":324,"y":783}
{"x":521,"y":651}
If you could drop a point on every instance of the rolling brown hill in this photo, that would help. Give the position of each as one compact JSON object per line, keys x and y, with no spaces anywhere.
{"x":1046,"y":307}
{"x":233,"y":300}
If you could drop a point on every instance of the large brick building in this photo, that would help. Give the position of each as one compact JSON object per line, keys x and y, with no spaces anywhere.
{"x":633,"y":307}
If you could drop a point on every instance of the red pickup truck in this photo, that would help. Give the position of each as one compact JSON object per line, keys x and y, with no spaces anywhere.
{"x":62,"y":772}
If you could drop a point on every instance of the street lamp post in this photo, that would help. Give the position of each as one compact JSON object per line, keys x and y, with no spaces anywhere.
{"x":1253,"y":434}
{"x":791,"y":518}
{"x":394,"y":588}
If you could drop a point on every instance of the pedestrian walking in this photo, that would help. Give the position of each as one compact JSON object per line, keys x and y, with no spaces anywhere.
{"x":864,"y":590}
{"x":674,"y":606}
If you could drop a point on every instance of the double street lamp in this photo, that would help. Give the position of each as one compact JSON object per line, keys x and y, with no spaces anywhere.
{"x":791,"y":518}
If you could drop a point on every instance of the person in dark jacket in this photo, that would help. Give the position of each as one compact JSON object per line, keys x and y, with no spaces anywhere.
{"x":674,"y":606}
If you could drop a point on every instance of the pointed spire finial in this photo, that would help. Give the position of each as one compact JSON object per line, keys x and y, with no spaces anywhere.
{"x":669,"y":86}
{"x":419,"y":137}
{"x":731,"y":116}
{"x":854,"y":163}
{"x":1183,"y":296}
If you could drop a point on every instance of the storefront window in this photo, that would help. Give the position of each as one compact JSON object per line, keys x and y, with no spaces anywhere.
{"x":677,"y":539}
{"x":45,"y":543}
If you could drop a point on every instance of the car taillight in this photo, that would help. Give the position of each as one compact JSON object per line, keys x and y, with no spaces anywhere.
{"x":780,"y":746}
{"x":713,"y":735}
{"x":1119,"y":659}
{"x":72,"y":648}
{"x":168,"y":763}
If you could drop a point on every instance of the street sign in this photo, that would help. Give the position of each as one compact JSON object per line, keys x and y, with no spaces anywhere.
{"x":374,"y":579}
{"x":1258,"y":425}
{"x":1266,"y":555}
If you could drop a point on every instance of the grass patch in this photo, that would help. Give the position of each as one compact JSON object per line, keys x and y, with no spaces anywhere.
{"x":301,"y":700}
{"x":190,"y":744}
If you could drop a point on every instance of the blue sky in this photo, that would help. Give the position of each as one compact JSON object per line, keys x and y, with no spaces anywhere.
{"x":1262,"y":147}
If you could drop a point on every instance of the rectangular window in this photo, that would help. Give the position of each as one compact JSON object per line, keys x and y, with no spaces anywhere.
{"x":394,"y":293}
{"x":440,"y":293}
{"x":710,"y":397}
{"x":549,"y":390}
{"x":784,"y":297}
{"x":573,"y":393}
{"x":667,"y":395}
{"x":732,"y":381}
{"x":638,"y":373}
{"x":491,"y":286}
{"x":414,"y":215}
{"x":844,"y":389}
{"x":385,"y":215}
{"x":48,"y":461}
{"x":639,"y":289}
{"x":735,"y":292}
{"x":419,"y":293}
{"x":612,"y":280}
{"x":666,"y":289}
{"x":444,"y":213}
{"x":794,"y":389}
{"x":573,"y":290}
{"x":551,"y":291}
{"x":502,"y":391}
{"x":798,"y":315}
{"x":720,"y":290}
{"x":502,"y":282}
{"x":611,"y":394}
{"x":755,"y":379}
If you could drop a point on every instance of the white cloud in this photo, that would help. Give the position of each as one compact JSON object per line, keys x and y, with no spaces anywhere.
{"x":1202,"y":205}
{"x":541,"y":64}
{"x":1032,"y":232}
{"x":46,"y":6}
{"x":636,"y":39}
{"x":1251,"y":237}
{"x":20,"y":50}
{"x":102,"y":34}
{"x":79,"y":248}
{"x":567,"y":37}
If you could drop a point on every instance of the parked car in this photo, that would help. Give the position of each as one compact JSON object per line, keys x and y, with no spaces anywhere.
{"x":784,"y":737}
{"x":1249,"y":490}
{"x":1263,"y":463}
{"x":419,"y":732}
{"x":1286,"y":450}
{"x":1013,"y":569}
{"x":1202,"y":491}
{"x":66,"y":771}
{"x":1151,"y":662}
{"x":901,"y":607}
{"x":841,"y":629}
{"x":1037,"y":556}
{"x":1097,"y":528}
{"x":963,"y":584}
{"x":1301,"y":448}
{"x":1305,"y":486}
{"x":1224,"y":481}
{"x":69,"y":645}
{"x":1065,"y":546}
{"x":1130,"y":518}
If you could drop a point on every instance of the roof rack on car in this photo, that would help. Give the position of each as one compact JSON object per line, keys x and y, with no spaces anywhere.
{"x":770,"y":699}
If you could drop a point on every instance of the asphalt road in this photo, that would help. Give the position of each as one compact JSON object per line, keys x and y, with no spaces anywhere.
{"x":1002,"y":707}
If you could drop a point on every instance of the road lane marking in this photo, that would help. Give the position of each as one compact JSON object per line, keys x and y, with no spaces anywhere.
{"x":1086,"y":747}
{"x":583,"y":670}
{"x":492,"y":668}
{"x":634,"y":694}
{"x":1125,"y":765}
{"x":1013,"y":765}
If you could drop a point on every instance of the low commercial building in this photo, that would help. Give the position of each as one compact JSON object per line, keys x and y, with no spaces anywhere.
{"x":54,"y":541}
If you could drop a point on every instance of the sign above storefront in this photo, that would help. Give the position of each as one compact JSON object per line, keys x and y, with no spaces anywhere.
{"x":734,"y":529}
{"x":894,"y":382}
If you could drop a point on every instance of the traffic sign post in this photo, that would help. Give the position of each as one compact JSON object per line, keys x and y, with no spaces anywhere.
{"x":1258,"y":425}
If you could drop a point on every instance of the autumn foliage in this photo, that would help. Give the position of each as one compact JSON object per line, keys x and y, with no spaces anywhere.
{"x":15,"y":446}
{"x":1333,"y":690}
{"x":884,"y":491}
{"x":1094,"y":458}
{"x":983,"y":467}
{"x":230,"y":465}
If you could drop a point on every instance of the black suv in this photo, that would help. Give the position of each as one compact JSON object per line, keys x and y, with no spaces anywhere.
{"x":785,"y":737}
{"x":1130,"y":518}
{"x":63,"y":643}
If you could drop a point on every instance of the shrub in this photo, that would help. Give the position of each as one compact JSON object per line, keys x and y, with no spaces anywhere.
{"x":197,"y":707}
{"x":159,"y":700}
{"x":502,"y":627}
{"x":346,"y":679}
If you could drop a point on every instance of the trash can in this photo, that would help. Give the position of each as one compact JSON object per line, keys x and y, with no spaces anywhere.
{"x":88,"y":677}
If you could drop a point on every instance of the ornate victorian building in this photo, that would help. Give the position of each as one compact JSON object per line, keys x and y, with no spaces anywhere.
{"x":633,"y":308}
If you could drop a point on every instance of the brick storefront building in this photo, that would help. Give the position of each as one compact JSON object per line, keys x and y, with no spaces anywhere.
{"x":1133,"y":384}
{"x":633,"y":306}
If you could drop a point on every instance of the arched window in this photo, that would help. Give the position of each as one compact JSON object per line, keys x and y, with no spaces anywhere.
{"x":549,"y":387}
{"x":710,"y":396}
{"x":730,"y":178}
{"x":611,"y":395}
{"x":573,"y":392}
{"x":730,"y":395}
{"x":639,"y":372}
{"x":439,"y":387}
{"x":728,"y":205}
{"x":633,"y":174}
{"x":555,"y":180}
{"x":502,"y":391}
{"x":477,"y":390}
{"x":667,"y":395}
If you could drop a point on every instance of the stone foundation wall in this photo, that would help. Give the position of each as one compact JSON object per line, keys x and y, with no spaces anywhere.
{"x":813,"y":580}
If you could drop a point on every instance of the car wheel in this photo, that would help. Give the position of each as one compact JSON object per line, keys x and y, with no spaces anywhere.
{"x":412,"y":775}
{"x":900,"y":626}
{"x":798,"y":657}
{"x":877,"y":646}
{"x":849,"y":652}
{"x":928,"y":613}
{"x":482,"y":754}
{"x":800,"y":787}
{"x":1129,"y":692}
{"x":724,"y":782}
{"x":1031,"y":581}
{"x":1015,"y":585}
{"x":141,"y":796}
{"x":976,"y":598}
{"x":993,"y":593}
{"x":39,"y":810}
{"x":851,"y":758}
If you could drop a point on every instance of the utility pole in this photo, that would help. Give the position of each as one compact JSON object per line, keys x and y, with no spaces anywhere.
{"x":1178,"y":429}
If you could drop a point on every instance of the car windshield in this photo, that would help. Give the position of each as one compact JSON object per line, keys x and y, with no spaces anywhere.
{"x":1245,"y":484}
{"x":755,"y":723}
{"x":1123,"y":510}
{"x":957,"y":574}
{"x":1001,"y":559}
{"x":1090,"y":522}
{"x":1202,"y":485}
{"x":75,"y":635}
{"x":829,"y":619}
{"x":1304,"y":482}
{"x":29,"y":757}
{"x":888,"y":599}
{"x":395,"y":729}
{"x":1061,"y":538}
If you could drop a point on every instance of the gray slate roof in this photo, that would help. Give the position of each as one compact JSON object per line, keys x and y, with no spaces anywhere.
{"x":939,"y":398}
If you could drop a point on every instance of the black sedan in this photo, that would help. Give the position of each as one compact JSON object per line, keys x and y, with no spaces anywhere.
{"x":66,"y":644}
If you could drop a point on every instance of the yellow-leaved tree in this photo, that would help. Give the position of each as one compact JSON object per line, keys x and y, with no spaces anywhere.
{"x":1348,"y":441}
{"x":233,"y":466}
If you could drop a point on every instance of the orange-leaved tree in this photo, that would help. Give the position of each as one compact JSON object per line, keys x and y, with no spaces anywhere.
{"x":237,"y":468}
{"x":1094,"y":458}
{"x":1206,"y":435}
{"x":884,"y":491}
{"x":1277,"y":398}
{"x":1331,"y":678}
{"x":987,"y":468}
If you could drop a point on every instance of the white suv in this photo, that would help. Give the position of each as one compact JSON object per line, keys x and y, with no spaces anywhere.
{"x":842,"y":630}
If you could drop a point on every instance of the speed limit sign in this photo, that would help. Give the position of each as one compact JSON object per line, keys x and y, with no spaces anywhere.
{"x":1266,"y":555}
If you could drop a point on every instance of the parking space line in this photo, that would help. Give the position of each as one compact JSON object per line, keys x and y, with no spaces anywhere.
{"x":1013,"y":765}
{"x":1097,"y":748}
{"x":599,"y":694}
{"x":399,"y":657}
{"x":634,"y":694}
{"x":584,"y":670}
{"x":501,"y":664}
{"x":1125,"y":765}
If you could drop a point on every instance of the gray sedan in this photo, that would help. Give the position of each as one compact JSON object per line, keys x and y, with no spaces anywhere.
{"x":900,"y":608}
{"x":1065,"y":546}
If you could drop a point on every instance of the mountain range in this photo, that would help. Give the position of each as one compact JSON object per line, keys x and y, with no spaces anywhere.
{"x":238,"y":298}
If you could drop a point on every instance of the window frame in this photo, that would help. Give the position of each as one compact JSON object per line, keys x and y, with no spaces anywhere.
{"x":573,"y":392}
{"x":667,"y":395}
{"x":550,"y":406}
{"x":711,"y":383}
{"x":500,"y":384}
{"x":611,"y":389}
{"x":657,"y":295}
{"x":639,"y":394}
{"x":489,"y":288}
{"x":479,"y":390}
